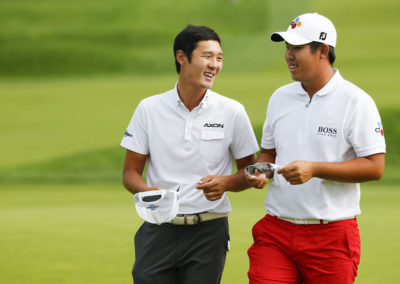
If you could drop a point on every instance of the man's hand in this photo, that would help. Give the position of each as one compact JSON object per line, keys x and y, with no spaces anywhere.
{"x":213,"y":186}
{"x":257,"y":180}
{"x":297,"y":172}
{"x":153,"y":188}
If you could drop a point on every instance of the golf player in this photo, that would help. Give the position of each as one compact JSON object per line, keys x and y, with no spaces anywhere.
{"x":326,"y":136}
{"x":189,"y":137}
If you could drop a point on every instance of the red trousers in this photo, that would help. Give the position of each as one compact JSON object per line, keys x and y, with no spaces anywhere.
{"x":320,"y":254}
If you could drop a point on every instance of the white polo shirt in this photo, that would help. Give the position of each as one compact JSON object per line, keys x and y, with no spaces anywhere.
{"x":187,"y":146}
{"x":340,"y":123}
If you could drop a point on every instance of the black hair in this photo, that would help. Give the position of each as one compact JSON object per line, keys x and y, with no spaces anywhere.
{"x":188,"y":38}
{"x":332,"y":57}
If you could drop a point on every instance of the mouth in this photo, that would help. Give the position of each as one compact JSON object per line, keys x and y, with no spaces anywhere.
{"x":292,"y":67}
{"x":209,"y":75}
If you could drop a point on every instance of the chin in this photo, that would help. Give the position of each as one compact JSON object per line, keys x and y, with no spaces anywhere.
{"x":295,"y":78}
{"x":208,"y":85}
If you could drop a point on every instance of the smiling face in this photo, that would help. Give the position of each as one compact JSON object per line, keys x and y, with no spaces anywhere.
{"x":204,"y":66}
{"x":302,"y":62}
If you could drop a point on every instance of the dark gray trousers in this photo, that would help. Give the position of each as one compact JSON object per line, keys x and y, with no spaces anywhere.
{"x":174,"y":254}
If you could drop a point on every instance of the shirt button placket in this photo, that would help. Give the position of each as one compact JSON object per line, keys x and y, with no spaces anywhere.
{"x":188,"y":130}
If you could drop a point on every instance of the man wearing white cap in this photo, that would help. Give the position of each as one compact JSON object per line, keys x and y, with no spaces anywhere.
{"x":325,"y":135}
{"x":189,"y":137}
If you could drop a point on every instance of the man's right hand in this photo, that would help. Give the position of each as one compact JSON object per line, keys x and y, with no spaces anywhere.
{"x":257,"y":180}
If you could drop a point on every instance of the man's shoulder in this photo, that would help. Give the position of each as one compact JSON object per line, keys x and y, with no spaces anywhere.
{"x":288,"y":88}
{"x":286,"y":91}
{"x":350,"y":86}
{"x":158,"y":98}
{"x":225,"y":101}
{"x":354,"y":93}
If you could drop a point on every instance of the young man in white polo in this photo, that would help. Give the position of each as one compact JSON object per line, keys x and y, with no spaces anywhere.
{"x":326,"y":135}
{"x":189,"y":137}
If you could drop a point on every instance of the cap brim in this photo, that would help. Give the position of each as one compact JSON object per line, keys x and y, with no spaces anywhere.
{"x":289,"y":37}
{"x":157,"y":206}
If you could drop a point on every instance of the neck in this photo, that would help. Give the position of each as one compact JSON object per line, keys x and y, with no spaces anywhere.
{"x":190,"y":95}
{"x":321,"y":78}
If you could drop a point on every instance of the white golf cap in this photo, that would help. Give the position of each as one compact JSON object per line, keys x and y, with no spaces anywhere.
{"x":157,"y":206}
{"x":307,"y":28}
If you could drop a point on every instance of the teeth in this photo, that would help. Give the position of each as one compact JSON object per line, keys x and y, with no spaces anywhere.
{"x":210,"y":75}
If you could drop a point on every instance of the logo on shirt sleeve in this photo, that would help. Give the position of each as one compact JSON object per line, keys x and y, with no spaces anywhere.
{"x":127,"y":134}
{"x":379,"y":129}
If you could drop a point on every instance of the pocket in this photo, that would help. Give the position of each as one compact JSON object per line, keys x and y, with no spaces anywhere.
{"x":212,"y":145}
{"x":256,"y":230}
{"x":228,"y":237}
{"x":353,"y":241}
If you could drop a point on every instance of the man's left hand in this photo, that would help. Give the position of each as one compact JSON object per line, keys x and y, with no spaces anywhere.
{"x":213,"y":186}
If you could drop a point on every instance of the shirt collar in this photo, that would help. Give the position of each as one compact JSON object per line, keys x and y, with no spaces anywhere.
{"x":329,"y":87}
{"x":206,"y":99}
{"x":176,"y":96}
{"x":204,"y":102}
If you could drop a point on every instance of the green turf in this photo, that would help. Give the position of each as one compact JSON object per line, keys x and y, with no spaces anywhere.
{"x":84,"y":234}
{"x":69,"y":130}
{"x":43,"y":37}
{"x":64,"y":217}
{"x":66,"y":235}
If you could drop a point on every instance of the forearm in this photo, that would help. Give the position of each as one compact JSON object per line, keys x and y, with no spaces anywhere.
{"x":357,"y":170}
{"x":132,"y":172}
{"x":237,"y":182}
{"x":267,"y":155}
{"x":133,"y":182}
{"x":215,"y":186}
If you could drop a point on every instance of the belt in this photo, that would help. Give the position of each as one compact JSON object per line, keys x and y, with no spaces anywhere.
{"x":310,"y":221}
{"x":193,"y":219}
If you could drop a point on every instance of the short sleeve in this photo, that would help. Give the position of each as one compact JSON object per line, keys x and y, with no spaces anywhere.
{"x":244,"y":141}
{"x":267,"y":140}
{"x":366,"y":130}
{"x":136,"y":135}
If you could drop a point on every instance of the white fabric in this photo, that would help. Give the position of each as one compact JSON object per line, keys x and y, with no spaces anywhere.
{"x":307,"y":28}
{"x":339,"y":124}
{"x":185,"y":146}
{"x":159,"y":211}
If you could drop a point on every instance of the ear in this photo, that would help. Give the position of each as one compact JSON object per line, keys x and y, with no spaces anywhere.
{"x":324,"y":51}
{"x":180,"y":56}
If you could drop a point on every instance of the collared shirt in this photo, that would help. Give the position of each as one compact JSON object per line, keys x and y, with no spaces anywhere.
{"x":185,"y":146}
{"x":340,"y":123}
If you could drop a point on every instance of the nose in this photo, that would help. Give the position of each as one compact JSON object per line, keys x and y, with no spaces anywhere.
{"x":213,"y":63}
{"x":289,"y":54}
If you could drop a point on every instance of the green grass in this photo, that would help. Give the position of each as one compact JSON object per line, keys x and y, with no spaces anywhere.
{"x":68,"y":130}
{"x":83,"y":37}
{"x":66,"y":234}
{"x":84,"y":234}
{"x":71,"y":75}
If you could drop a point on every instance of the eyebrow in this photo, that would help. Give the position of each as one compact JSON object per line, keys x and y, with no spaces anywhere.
{"x":210,"y":52}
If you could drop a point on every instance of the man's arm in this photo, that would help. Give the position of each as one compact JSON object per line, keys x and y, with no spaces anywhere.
{"x":132,"y":172}
{"x":357,"y":170}
{"x":215,"y":186}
